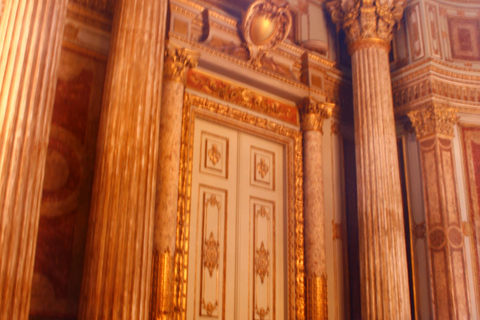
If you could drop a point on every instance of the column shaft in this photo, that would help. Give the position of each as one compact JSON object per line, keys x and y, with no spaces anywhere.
{"x":383,"y":263}
{"x":177,"y":64}
{"x":30,"y":43}
{"x":117,"y":274}
{"x":313,"y":114}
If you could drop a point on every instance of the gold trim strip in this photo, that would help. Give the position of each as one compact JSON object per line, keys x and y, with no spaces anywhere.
{"x":162,"y":286}
{"x":368,"y":42}
{"x":317,"y":297}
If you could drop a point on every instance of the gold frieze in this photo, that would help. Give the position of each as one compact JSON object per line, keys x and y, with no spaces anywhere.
{"x":246,"y":98}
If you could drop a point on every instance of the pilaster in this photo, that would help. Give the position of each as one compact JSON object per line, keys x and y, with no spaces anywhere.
{"x":434,"y":127}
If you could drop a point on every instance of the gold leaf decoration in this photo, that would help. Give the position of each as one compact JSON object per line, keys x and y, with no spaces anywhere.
{"x":211,"y":254}
{"x":262,"y":262}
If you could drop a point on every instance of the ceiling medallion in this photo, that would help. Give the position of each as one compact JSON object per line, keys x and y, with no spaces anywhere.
{"x":266,"y":24}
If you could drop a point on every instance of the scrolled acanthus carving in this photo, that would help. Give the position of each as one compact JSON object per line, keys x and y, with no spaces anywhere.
{"x":177,"y":63}
{"x":266,"y":24}
{"x":435,"y":119}
{"x":313,"y":113}
{"x":366,"y":19}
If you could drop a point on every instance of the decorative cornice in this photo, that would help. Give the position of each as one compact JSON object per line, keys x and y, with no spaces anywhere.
{"x":244,"y":97}
{"x":177,"y":63}
{"x":313,"y":113}
{"x":366,"y":19}
{"x":433,"y":120}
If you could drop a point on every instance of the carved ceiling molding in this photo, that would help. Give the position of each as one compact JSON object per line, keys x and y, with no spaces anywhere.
{"x":102,"y":6}
{"x":366,"y":19}
{"x":416,"y":85}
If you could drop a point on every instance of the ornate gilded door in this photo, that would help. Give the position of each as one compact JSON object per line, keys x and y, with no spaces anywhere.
{"x":237,"y":241}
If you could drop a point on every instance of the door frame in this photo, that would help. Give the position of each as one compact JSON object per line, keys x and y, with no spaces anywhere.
{"x":232,"y":117}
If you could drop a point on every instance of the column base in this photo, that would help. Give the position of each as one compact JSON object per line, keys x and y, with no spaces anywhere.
{"x":317,"y":298}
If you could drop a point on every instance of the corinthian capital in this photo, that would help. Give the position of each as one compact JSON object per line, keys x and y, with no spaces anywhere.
{"x":177,"y":63}
{"x":313,"y":113}
{"x":434,"y":119}
{"x":366,"y":19}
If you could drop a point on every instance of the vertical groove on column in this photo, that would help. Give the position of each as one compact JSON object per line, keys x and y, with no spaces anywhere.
{"x":382,"y":248}
{"x":30,"y":43}
{"x":117,"y":274}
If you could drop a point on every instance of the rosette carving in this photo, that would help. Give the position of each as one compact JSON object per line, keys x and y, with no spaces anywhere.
{"x":434,"y":119}
{"x":366,"y":19}
{"x":177,"y":63}
{"x":313,"y":113}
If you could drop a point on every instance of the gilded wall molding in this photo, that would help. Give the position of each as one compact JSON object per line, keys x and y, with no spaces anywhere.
{"x":195,"y":106}
{"x":177,"y":63}
{"x":313,"y":114}
{"x":366,"y":19}
{"x":435,"y":119}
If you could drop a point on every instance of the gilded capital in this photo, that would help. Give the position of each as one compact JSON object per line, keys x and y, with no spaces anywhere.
{"x":177,"y":63}
{"x":434,"y":119}
{"x":312,"y":114}
{"x":366,"y":19}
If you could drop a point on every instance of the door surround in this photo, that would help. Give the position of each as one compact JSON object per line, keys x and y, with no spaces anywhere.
{"x":291,"y":139}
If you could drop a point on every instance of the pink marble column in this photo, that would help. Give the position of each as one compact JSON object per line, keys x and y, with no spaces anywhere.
{"x":383,"y":263}
{"x":30,"y":42}
{"x":177,"y":63}
{"x":447,"y":257}
{"x":312,"y":114}
{"x":118,"y":259}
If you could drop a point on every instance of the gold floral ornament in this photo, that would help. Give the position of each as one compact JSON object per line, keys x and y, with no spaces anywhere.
{"x":262,"y":168}
{"x":262,"y":262}
{"x":211,"y":254}
{"x":262,"y":212}
{"x":177,"y":63}
{"x":366,"y":19}
{"x":209,"y":307}
{"x":266,"y":24}
{"x":213,"y":154}
{"x":262,"y":313}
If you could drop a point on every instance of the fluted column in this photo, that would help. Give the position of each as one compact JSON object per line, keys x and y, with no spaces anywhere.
{"x":117,"y":273}
{"x":447,"y":260}
{"x":30,"y":42}
{"x":312,"y":114}
{"x":177,"y":63}
{"x":383,"y":265}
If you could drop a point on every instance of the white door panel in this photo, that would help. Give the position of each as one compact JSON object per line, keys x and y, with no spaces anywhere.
{"x":237,"y":242}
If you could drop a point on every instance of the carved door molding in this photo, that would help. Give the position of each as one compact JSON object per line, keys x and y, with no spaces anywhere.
{"x":197,"y":107}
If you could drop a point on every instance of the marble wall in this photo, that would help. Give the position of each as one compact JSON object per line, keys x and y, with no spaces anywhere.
{"x":67,"y":187}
